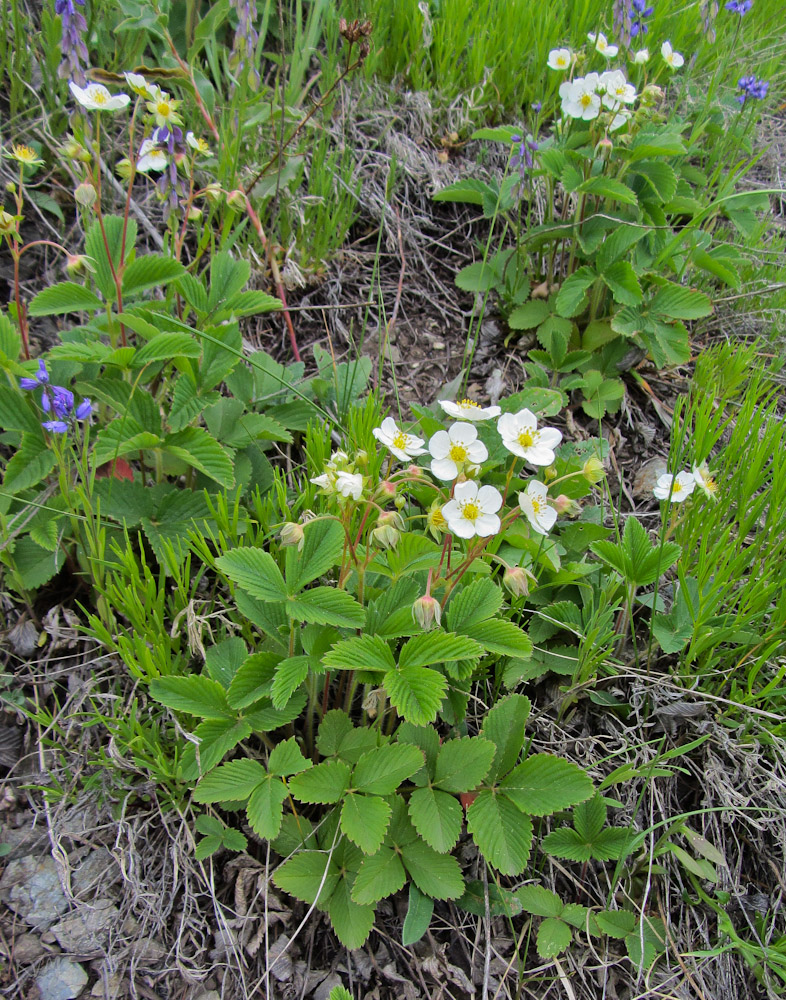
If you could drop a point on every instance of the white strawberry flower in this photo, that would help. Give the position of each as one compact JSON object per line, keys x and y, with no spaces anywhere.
{"x":138,"y":85}
{"x":560,"y":59}
{"x":198,"y":143}
{"x":151,"y":157}
{"x":675,"y":488}
{"x":618,"y":90}
{"x":534,"y":504}
{"x":473,"y":510}
{"x":468,"y":409}
{"x":672,"y":58}
{"x":642,"y":56}
{"x":520,"y":435}
{"x":349,"y":484}
{"x":705,"y":481}
{"x":95,"y":97}
{"x":403,"y":445}
{"x":620,"y":119}
{"x":580,"y":98}
{"x":454,"y":449}
{"x":602,"y":45}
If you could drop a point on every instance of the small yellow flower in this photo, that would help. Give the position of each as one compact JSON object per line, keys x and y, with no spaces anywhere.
{"x":25,"y":155}
{"x":435,"y":520}
{"x":164,"y":110}
{"x":198,"y":143}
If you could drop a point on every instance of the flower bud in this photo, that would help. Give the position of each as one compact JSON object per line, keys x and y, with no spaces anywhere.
{"x":8,"y":223}
{"x":651,"y":95}
{"x":194,"y":214}
{"x":361,"y":459}
{"x":564,"y":505}
{"x":86,"y":195}
{"x":386,"y":489}
{"x":74,"y":150}
{"x":10,"y":187}
{"x":518,"y":580}
{"x":213,"y":192}
{"x":426,"y":611}
{"x":237,"y":199}
{"x":593,"y":470}
{"x":292,"y":534}
{"x":385,"y":536}
{"x":400,"y":502}
{"x":123,"y":169}
{"x":550,"y":473}
{"x":392,"y":519}
{"x":78,"y":263}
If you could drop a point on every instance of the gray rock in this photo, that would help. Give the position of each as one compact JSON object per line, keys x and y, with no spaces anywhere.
{"x":86,"y":930}
{"x":31,"y":888}
{"x":61,"y":980}
{"x":27,"y":948}
{"x":95,"y":874}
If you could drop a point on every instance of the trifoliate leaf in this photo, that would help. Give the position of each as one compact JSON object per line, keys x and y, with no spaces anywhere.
{"x":544,"y":784}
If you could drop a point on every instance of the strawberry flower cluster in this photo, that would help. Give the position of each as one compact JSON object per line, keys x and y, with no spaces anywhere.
{"x":677,"y":488}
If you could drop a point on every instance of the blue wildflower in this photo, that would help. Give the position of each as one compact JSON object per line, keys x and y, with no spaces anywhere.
{"x":523,"y":158}
{"x":72,"y":43}
{"x":639,"y":11}
{"x":740,"y":7}
{"x":40,"y":378}
{"x":752,"y":87}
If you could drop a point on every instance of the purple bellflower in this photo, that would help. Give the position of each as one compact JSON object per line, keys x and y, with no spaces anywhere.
{"x":523,"y":158}
{"x":639,"y":11}
{"x":740,"y":7}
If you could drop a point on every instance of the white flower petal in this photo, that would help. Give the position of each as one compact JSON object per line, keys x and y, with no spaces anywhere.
{"x":444,"y":468}
{"x":487,"y":524}
{"x":490,"y":499}
{"x":439,"y":445}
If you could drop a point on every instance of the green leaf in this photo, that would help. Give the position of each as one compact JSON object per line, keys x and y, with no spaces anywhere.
{"x":468,"y":190}
{"x":502,"y":833}
{"x":252,"y":303}
{"x":680,"y":303}
{"x":327,"y":606}
{"x":589,"y":817}
{"x":227,"y":277}
{"x":265,"y":807}
{"x":64,"y":297}
{"x":197,"y":448}
{"x":659,"y":144}
{"x":647,"y":942}
{"x":351,"y":922}
{"x":286,"y":759}
{"x":571,"y":298}
{"x":416,"y":693}
{"x":323,"y":542}
{"x":256,"y":572}
{"x":475,"y":603}
{"x":167,"y":347}
{"x":566,"y":843}
{"x":150,"y":271}
{"x":223,"y":660}
{"x":290,"y":674}
{"x":325,"y":783}
{"x":609,"y":188}
{"x":436,"y":875}
{"x":35,"y":565}
{"x":33,"y":460}
{"x":197,"y":695}
{"x":553,"y":937}
{"x":380,"y":875}
{"x":617,"y":243}
{"x":264,"y":720}
{"x":501,"y":902}
{"x":364,"y":652}
{"x":504,"y":725}
{"x":310,"y":876}
{"x":217,"y":737}
{"x":659,"y":176}
{"x":720,"y":267}
{"x":463,"y":763}
{"x":17,"y":415}
{"x":381,"y":771}
{"x":109,"y":233}
{"x":501,"y":637}
{"x":420,"y":909}
{"x":540,"y":901}
{"x":479,"y":276}
{"x":339,"y":993}
{"x":544,"y":784}
{"x":333,"y":728}
{"x":529,"y":315}
{"x":616,"y":923}
{"x":122,"y":437}
{"x":623,"y":283}
{"x":253,"y":680}
{"x":230,"y":782}
{"x":364,"y":820}
{"x":437,"y":647}
{"x":437,"y":818}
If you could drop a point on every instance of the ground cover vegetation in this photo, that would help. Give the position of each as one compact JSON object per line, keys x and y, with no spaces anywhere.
{"x":392,"y":504}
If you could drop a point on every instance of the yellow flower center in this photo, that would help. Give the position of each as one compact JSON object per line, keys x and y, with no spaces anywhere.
{"x":436,"y":518}
{"x":400,"y":440}
{"x":164,"y":108}
{"x":677,"y":488}
{"x":469,"y":403}
{"x":710,"y":485}
{"x":24,"y":153}
{"x":526,"y":439}
{"x":585,"y":100}
{"x":562,"y":61}
{"x":98,"y":97}
{"x":458,"y":453}
{"x":470,"y":511}
{"x":536,"y":505}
